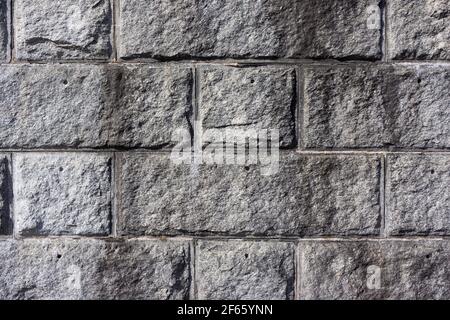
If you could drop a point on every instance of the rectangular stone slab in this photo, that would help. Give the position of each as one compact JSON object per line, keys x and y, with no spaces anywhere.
{"x":180,"y":29}
{"x":418,"y":194}
{"x":63,"y":193}
{"x":377,"y":106}
{"x":380,"y":269}
{"x":94,"y":269}
{"x":309,"y":195}
{"x":93,"y":106}
{"x":418,"y":30}
{"x":63,"y":30}
{"x":53,"y":106}
{"x":149,"y":105}
{"x":260,"y":98}
{"x":245,"y":270}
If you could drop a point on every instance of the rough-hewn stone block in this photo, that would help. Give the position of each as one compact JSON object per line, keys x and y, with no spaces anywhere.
{"x":52,"y":106}
{"x":94,"y":269}
{"x":63,"y":30}
{"x":249,"y":98}
{"x":287,"y":28}
{"x":45,"y":106}
{"x":4,"y":30}
{"x":309,"y":195}
{"x":375,"y":270}
{"x":5,"y":195}
{"x":150,"y":104}
{"x":418,"y":194}
{"x":376,"y":106}
{"x":418,"y":29}
{"x":241,"y":270}
{"x":64,"y":193}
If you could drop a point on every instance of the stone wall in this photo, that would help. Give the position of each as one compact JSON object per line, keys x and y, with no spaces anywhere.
{"x":92,"y":206}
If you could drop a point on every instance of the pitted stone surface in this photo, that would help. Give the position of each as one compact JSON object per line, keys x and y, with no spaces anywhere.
{"x":94,"y":269}
{"x":52,"y":106}
{"x":244,"y":270}
{"x":309,"y":195}
{"x":67,"y":193}
{"x":212,"y":28}
{"x":418,"y":194}
{"x":150,"y":105}
{"x":418,"y":29}
{"x":249,"y":98}
{"x":63,"y":30}
{"x":376,"y":106}
{"x":375,"y":270}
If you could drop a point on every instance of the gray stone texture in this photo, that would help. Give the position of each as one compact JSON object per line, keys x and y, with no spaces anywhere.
{"x":244,"y":270}
{"x":309,"y":195}
{"x":408,"y":269}
{"x":418,"y":29}
{"x":249,"y":98}
{"x":52,"y":106}
{"x":211,"y":28}
{"x":63,"y":30}
{"x":418,"y":194}
{"x":376,"y":107}
{"x":95,"y":204}
{"x":4,"y":30}
{"x":150,"y":104}
{"x":64,"y":193}
{"x":5,"y":195}
{"x":94,"y":269}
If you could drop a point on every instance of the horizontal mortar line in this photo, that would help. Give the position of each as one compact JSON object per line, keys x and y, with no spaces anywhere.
{"x":282,"y":151}
{"x":381,"y":239}
{"x":63,"y":62}
{"x":249,"y":62}
{"x":86,"y":150}
{"x":318,"y":238}
{"x":418,"y":62}
{"x":89,"y":238}
{"x":256,"y":61}
{"x":229,"y":238}
{"x":233,"y":62}
{"x":374,"y":151}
